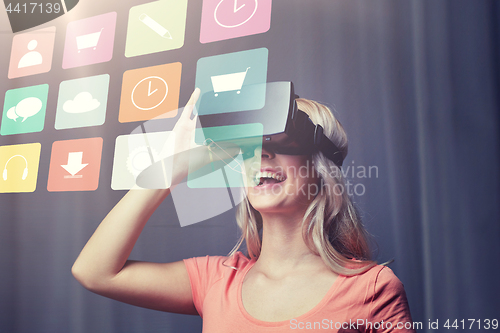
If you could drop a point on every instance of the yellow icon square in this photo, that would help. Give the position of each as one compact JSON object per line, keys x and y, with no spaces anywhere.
{"x":19,"y":167}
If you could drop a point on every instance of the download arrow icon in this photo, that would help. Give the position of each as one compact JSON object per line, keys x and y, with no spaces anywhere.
{"x":75,"y":164}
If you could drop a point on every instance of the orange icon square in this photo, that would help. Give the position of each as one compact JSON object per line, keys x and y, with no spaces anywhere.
{"x":150,"y":92}
{"x":75,"y":165}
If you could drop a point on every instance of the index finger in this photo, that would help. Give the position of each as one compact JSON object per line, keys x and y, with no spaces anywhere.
{"x":188,"y":109}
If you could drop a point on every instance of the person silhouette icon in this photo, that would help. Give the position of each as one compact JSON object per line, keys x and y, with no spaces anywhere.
{"x":31,"y":58}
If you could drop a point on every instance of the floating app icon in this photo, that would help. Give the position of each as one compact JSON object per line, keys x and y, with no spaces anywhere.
{"x":24,"y":110}
{"x":75,"y":165}
{"x":155,"y":27}
{"x":194,"y":205}
{"x":32,"y":53}
{"x":20,"y":167}
{"x":150,"y":92}
{"x":89,"y":41}
{"x":82,"y":102}
{"x":232,"y":82}
{"x":136,"y":152}
{"x":226,"y":19}
{"x":227,"y":146}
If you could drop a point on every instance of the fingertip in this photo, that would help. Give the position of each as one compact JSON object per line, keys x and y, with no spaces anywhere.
{"x":194,"y":96}
{"x":196,"y":92}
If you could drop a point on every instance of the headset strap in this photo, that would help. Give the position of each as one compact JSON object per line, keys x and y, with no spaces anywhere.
{"x":313,"y":136}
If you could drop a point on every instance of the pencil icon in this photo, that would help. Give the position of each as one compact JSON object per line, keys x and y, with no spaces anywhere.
{"x":155,"y":26}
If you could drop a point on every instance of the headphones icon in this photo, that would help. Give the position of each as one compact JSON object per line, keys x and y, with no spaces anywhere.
{"x":25,"y":172}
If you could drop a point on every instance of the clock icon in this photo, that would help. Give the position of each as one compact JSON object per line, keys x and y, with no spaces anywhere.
{"x":149,"y":93}
{"x":234,"y":13}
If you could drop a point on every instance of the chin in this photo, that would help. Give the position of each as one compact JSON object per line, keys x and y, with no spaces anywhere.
{"x":267,"y":201}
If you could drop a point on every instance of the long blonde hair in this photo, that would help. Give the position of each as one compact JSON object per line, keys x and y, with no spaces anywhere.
{"x":332,"y":228}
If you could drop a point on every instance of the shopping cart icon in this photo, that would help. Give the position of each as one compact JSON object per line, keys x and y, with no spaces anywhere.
{"x":88,"y":41}
{"x":228,"y":82}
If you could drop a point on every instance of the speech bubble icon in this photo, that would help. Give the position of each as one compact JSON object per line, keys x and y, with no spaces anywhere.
{"x":11,"y":113}
{"x":28,"y":107}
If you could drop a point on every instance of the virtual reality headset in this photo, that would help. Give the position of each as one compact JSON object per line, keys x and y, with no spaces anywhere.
{"x":286,"y":129}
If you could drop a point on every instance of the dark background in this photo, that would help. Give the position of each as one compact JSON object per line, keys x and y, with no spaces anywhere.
{"x":415,"y":84}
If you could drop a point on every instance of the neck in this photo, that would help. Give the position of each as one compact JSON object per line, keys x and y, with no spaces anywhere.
{"x":283,"y":247}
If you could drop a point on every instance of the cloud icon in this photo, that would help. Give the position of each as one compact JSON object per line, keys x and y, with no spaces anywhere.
{"x":26,"y":108}
{"x":83,"y":102}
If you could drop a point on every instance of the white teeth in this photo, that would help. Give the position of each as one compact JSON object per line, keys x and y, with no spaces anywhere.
{"x":267,"y":174}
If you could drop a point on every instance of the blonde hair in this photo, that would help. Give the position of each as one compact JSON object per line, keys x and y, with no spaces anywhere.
{"x":332,"y":228}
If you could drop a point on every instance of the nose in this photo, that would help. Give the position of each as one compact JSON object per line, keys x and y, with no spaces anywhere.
{"x":265,"y":152}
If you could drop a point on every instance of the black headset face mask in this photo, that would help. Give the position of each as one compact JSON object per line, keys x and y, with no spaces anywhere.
{"x":286,"y":129}
{"x":293,"y":150}
{"x":290,"y":150}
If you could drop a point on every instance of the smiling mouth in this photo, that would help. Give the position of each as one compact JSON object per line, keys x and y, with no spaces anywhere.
{"x":268,"y":178}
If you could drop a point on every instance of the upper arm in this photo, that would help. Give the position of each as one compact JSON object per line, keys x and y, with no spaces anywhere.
{"x":158,"y":286}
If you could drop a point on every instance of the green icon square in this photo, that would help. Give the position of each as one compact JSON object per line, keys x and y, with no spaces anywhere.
{"x":82,"y":102}
{"x":232,"y":82}
{"x":227,"y":169}
{"x":24,"y":110}
{"x":155,"y":27}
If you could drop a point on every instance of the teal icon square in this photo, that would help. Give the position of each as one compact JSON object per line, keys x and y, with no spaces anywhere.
{"x":226,"y":168}
{"x":232,"y":82}
{"x":155,"y":27}
{"x":82,"y":102}
{"x":24,"y":110}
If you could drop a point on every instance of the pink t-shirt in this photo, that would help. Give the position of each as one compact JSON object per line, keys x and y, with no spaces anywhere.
{"x":374,"y":301}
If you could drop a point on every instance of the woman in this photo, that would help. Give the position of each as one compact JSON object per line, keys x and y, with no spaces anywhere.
{"x":308,"y":265}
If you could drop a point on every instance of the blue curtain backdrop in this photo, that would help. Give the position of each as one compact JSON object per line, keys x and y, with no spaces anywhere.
{"x":414,"y":82}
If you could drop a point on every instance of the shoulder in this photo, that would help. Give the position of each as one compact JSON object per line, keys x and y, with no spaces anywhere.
{"x":378,"y":279}
{"x":386,"y":295}
{"x":384,"y":280}
{"x":372,"y":283}
{"x":209,"y":272}
{"x":376,"y":274}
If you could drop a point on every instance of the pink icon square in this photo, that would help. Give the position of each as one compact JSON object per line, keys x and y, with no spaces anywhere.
{"x":32,"y":52}
{"x":89,"y":41}
{"x":226,"y":19}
